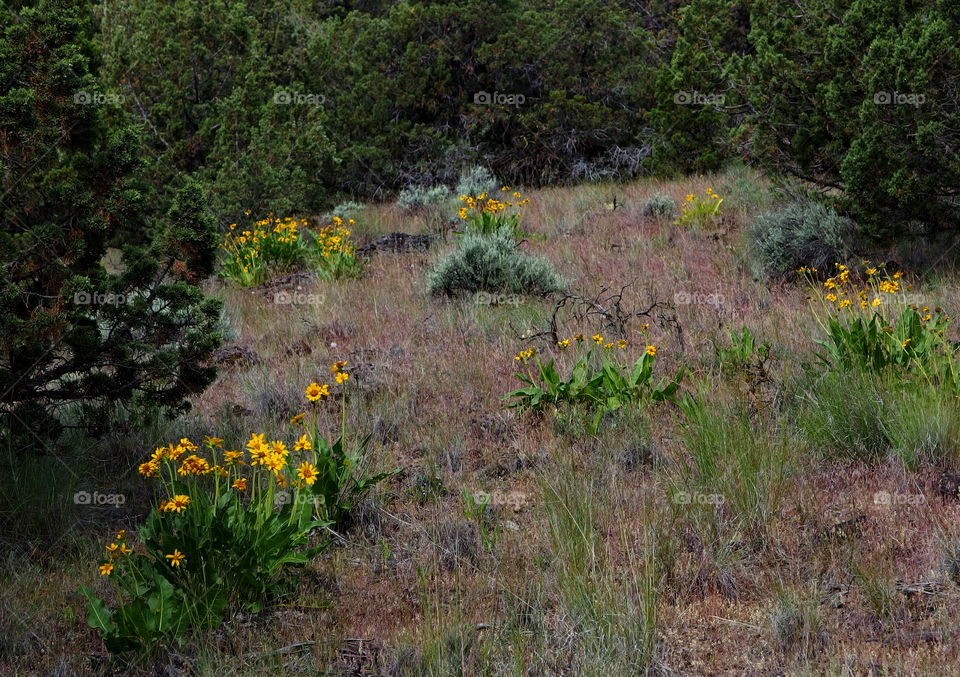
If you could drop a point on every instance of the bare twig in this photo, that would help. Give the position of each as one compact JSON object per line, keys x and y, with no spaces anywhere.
{"x":606,"y":308}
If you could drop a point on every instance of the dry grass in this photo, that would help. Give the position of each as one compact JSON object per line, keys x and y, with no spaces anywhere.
{"x":595,"y":570}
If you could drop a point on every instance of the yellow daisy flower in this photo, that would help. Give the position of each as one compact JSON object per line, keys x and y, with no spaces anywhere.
{"x":307,"y":472}
{"x":176,"y":558}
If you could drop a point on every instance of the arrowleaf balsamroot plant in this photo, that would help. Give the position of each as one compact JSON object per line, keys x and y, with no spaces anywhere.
{"x":273,"y":245}
{"x":597,"y":379}
{"x":276,"y":245}
{"x":873,"y":327}
{"x":332,"y":254}
{"x":486,"y":215}
{"x":698,"y":211}
{"x":230,"y":526}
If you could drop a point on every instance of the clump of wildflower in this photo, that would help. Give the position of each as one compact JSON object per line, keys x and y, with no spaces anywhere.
{"x":270,"y":244}
{"x":176,"y":504}
{"x":194,"y":465}
{"x":698,"y":211}
{"x":485,"y":214}
{"x":525,"y":355}
{"x":333,"y":253}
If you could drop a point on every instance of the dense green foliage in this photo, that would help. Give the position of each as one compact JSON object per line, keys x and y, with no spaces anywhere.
{"x":219,"y":88}
{"x":286,"y":105}
{"x":99,"y":304}
{"x":379,"y":99}
{"x":860,"y":97}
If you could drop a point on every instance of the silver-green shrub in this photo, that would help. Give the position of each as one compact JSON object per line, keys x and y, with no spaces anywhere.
{"x":492,"y":263}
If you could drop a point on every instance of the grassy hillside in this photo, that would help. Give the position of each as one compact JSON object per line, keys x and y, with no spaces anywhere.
{"x":777,"y":516}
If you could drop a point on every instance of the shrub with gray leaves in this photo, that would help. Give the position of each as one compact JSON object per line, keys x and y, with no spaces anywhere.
{"x":804,"y":233}
{"x":492,"y":263}
{"x":476,"y":181}
{"x":423,"y":199}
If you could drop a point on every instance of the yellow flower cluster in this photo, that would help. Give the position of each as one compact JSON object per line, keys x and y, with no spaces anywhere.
{"x":317,"y":391}
{"x":169,"y":452}
{"x":195,"y":465}
{"x":699,"y":211}
{"x":176,"y":504}
{"x":483,"y":203}
{"x":117,"y":548}
{"x":842,"y":293}
{"x":525,"y":355}
{"x":690,"y":198}
{"x":333,"y":238}
{"x":270,"y":455}
{"x":265,"y":460}
{"x":247,"y":246}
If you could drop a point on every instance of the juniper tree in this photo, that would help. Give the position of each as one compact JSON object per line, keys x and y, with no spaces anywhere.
{"x":100,"y":308}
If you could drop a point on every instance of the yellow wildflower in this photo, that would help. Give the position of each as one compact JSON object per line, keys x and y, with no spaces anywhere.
{"x":176,"y":558}
{"x":315,"y":391}
{"x":307,"y":472}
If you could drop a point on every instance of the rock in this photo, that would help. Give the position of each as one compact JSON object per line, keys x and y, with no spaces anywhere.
{"x":948,"y":486}
{"x":235,"y":356}
{"x":398,"y":243}
{"x":283,"y":283}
